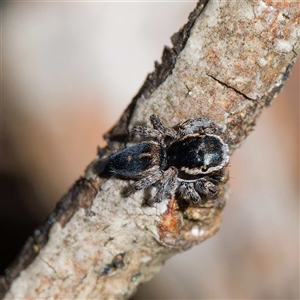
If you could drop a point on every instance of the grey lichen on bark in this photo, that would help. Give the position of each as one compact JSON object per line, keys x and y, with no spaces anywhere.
{"x":227,"y":64}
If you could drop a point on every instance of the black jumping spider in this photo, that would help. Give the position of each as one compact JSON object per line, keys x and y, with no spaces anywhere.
{"x":189,"y":161}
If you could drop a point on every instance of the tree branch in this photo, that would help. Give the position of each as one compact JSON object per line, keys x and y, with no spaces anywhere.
{"x":227,"y":63}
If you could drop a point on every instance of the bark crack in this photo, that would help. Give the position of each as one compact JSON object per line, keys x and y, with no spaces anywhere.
{"x":230,"y":87}
{"x":48,"y":264}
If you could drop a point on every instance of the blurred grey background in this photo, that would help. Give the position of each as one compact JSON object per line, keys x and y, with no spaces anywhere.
{"x":69,"y":69}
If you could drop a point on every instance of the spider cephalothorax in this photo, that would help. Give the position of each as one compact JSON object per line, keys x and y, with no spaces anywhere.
{"x":189,"y":162}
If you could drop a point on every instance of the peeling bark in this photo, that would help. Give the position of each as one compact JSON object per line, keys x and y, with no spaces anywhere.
{"x":227,"y":63}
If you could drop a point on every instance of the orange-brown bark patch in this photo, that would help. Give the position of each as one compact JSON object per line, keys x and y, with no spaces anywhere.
{"x":170,"y":219}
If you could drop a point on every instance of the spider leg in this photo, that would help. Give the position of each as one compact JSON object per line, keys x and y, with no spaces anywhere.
{"x":188,"y":193}
{"x":202,"y":124}
{"x":151,"y":177}
{"x":206,"y":188}
{"x":146,"y":132}
{"x":167,"y":184}
{"x":164,"y":130}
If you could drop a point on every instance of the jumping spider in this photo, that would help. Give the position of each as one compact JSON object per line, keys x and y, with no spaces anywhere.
{"x":189,"y":162}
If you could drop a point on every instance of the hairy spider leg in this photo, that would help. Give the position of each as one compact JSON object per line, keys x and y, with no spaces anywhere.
{"x":158,"y":125}
{"x":188,"y":193}
{"x":152,"y":175}
{"x":167,"y":184}
{"x":147,"y":132}
{"x":197,"y":125}
{"x":207,"y":188}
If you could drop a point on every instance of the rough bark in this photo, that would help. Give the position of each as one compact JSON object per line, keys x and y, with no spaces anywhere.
{"x":227,"y":63}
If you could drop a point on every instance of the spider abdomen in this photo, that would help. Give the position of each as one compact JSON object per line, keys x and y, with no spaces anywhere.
{"x":133,"y":161}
